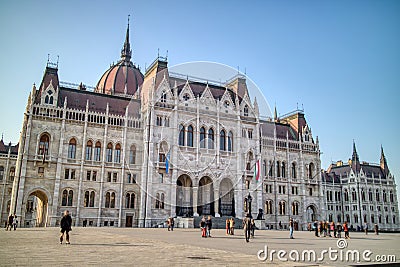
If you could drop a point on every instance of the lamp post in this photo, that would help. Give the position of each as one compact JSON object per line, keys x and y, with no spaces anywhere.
{"x":249,"y":199}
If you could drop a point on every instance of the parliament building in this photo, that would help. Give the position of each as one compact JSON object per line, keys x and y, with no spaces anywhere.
{"x":142,"y":147}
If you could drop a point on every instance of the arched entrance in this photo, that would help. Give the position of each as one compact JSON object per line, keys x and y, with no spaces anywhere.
{"x":226,"y":198}
{"x":36,"y":209}
{"x":184,"y":196}
{"x":311,"y":212}
{"x":205,"y":202}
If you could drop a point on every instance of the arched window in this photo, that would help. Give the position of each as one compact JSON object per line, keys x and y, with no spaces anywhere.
{"x":310,"y":171}
{"x":107,"y":203}
{"x":86,"y":199}
{"x":294,"y":174}
{"x":109,"y":153}
{"x":271,"y":169}
{"x":372,"y":218}
{"x":346,"y":195}
{"x":1,"y":173}
{"x":46,"y":99}
{"x":112,"y":202}
{"x":132,"y":155}
{"x":339,"y":218}
{"x":222,"y":140}
{"x":210,"y":138}
{"x":362,"y":194}
{"x":278,"y":169}
{"x":295,"y":208}
{"x":91,"y":202}
{"x":384,"y":196}
{"x":162,"y":201}
{"x":283,"y":170}
{"x":246,"y":110}
{"x":11,"y":174}
{"x":181,"y":135}
{"x":347,"y":218}
{"x":72,"y":149}
{"x":189,"y":139}
{"x":353,"y":195}
{"x":44,"y":144}
{"x":377,"y":195}
{"x":391,"y":196}
{"x":370,"y":194}
{"x":163,"y":97}
{"x":230,"y":141}
{"x":202,"y":137}
{"x":394,"y":219}
{"x":117,"y":158}
{"x":355,"y":218}
{"x":282,"y":207}
{"x":51,"y":100}
{"x":97,"y":151}
{"x":330,"y":218}
{"x":89,"y":147}
{"x":157,"y":201}
{"x":130,"y":201}
{"x":67,"y":197}
{"x":268,"y":207}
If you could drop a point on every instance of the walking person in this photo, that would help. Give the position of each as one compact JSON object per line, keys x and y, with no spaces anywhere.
{"x":253,"y":227}
{"x":10,"y":221}
{"x":172,"y":223}
{"x":247,"y":227}
{"x":316,"y":228}
{"x":232,"y":225}
{"x":376,"y":228}
{"x":291,"y":225}
{"x":15,"y":222}
{"x":203,"y":227}
{"x":339,"y":230}
{"x":333,"y":229}
{"x":366,"y":228}
{"x":208,"y":226}
{"x":228,"y":227}
{"x":66,"y":223}
{"x":346,"y":230}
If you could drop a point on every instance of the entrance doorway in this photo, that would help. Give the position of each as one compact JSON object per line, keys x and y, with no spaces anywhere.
{"x":311,"y":213}
{"x":129,"y":221}
{"x":184,"y":196}
{"x":36,"y":213}
{"x":206,"y":197}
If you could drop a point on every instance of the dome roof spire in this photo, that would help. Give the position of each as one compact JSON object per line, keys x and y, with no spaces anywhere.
{"x":126,"y":52}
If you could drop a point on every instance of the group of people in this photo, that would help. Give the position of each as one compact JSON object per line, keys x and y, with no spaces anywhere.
{"x":206,"y":226}
{"x":332,"y":229}
{"x":230,"y":226}
{"x":12,"y":222}
{"x":170,"y":223}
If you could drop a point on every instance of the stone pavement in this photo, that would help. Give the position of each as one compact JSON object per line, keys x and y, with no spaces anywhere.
{"x":182,"y":247}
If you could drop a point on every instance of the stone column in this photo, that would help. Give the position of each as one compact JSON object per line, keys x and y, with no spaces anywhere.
{"x":216,"y":202}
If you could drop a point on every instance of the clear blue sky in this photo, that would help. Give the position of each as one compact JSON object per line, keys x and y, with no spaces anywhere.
{"x":340,"y":59}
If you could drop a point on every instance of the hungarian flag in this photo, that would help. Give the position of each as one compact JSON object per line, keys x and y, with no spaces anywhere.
{"x":257,"y":170}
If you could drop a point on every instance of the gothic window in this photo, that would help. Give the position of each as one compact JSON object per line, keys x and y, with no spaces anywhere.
{"x":202,"y":137}
{"x":222,"y":140}
{"x":283,"y":170}
{"x":282,"y":207}
{"x":346,"y":195}
{"x":157,"y":200}
{"x":226,"y":103}
{"x":362,"y":194}
{"x":163,"y":97}
{"x":186,"y":97}
{"x":49,"y":97}
{"x":295,"y":208}
{"x":278,"y":169}
{"x":44,"y":144}
{"x":89,"y":147}
{"x":354,"y":195}
{"x":1,"y":173}
{"x":12,"y":174}
{"x":72,"y":149}
{"x":246,"y":111}
{"x":347,"y":218}
{"x":370,"y":194}
{"x":310,"y":170}
{"x":162,"y":201}
{"x":97,"y":151}
{"x":372,"y":218}
{"x":109,"y":153}
{"x":189,"y":137}
{"x":181,"y":135}
{"x":107,"y":203}
{"x":112,"y":201}
{"x":159,"y":121}
{"x":384,"y":196}
{"x":377,"y":195}
{"x":264,"y":167}
{"x":132,"y":155}
{"x":210,"y":138}
{"x":230,"y":141}
{"x":117,"y":157}
{"x":294,"y":174}
{"x":268,"y":207}
{"x":130,"y":201}
{"x":391,"y":196}
{"x":271,"y":169}
{"x":67,"y":197}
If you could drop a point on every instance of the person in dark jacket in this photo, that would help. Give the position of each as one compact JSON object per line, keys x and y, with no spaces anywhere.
{"x":10,"y":221}
{"x":208,"y":226}
{"x":66,"y":223}
{"x":247,"y":227}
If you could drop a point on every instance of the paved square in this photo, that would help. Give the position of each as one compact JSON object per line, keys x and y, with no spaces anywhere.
{"x":158,"y":247}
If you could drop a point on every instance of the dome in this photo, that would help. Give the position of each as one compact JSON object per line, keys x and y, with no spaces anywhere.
{"x":122,"y":78}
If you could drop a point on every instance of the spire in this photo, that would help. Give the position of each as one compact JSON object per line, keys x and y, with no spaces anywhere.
{"x":275,"y":114}
{"x":383,"y":162}
{"x":355,"y":161}
{"x":355,"y":155}
{"x":126,"y":52}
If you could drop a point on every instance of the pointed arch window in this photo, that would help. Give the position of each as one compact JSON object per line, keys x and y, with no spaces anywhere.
{"x":132,"y":155}
{"x":222,"y":140}
{"x":91,"y":201}
{"x":157,"y":200}
{"x":377,"y":195}
{"x":295,"y":208}
{"x":67,"y":197}
{"x":112,"y":201}
{"x":268,"y":207}
{"x":164,"y":97}
{"x":202,"y":137}
{"x":294,"y":175}
{"x":189,"y":137}
{"x":89,"y":149}
{"x":44,"y":144}
{"x":283,"y":169}
{"x":97,"y":151}
{"x":246,"y":111}
{"x":117,"y":158}
{"x":210,"y":138}
{"x":107,"y":203}
{"x":264,"y":167}
{"x":230,"y":141}
{"x":278,"y":169}
{"x":310,"y":170}
{"x":72,"y":148}
{"x":181,"y":140}
{"x":282,"y":207}
{"x":109,"y":153}
{"x":391,"y":196}
{"x":370,"y":195}
{"x":130,"y":201}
